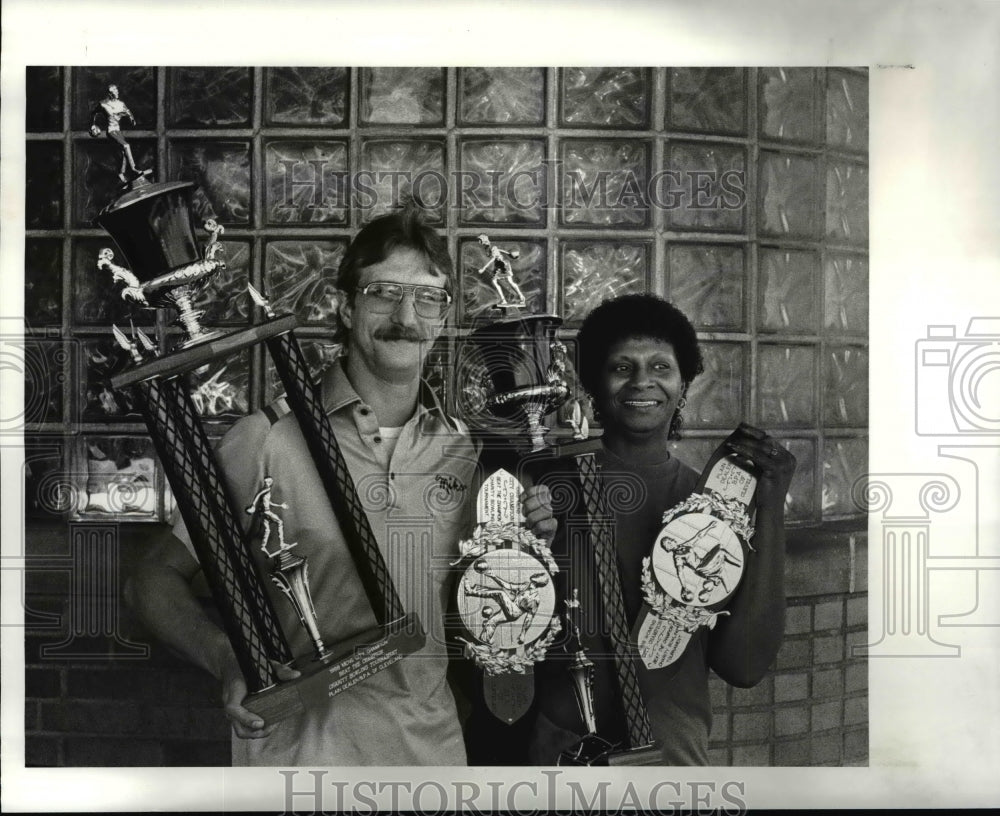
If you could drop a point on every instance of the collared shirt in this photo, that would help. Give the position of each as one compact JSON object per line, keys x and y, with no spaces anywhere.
{"x":419,"y":505}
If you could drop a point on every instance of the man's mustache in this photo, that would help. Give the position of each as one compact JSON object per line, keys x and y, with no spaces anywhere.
{"x":407,"y":333}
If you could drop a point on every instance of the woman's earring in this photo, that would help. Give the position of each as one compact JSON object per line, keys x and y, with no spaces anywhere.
{"x":677,"y":421}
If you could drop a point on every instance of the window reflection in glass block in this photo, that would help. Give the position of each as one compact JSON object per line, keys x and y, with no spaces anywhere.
{"x":847,"y":109}
{"x":222,"y":172}
{"x":715,"y":398}
{"x":220,"y":389}
{"x":49,"y":488}
{"x":209,"y":97}
{"x":223,"y":298}
{"x":787,"y":103}
{"x":846,"y":294}
{"x":800,"y":502}
{"x":846,"y":383}
{"x":595,"y":272}
{"x":97,"y":297}
{"x":705,"y":188}
{"x":98,"y":402}
{"x":43,"y":185}
{"x":706,"y":283}
{"x":709,"y":99}
{"x":477,"y":288}
{"x":96,"y":165}
{"x":306,"y":182}
{"x":306,"y":96}
{"x":319,"y":354}
{"x":605,"y":97}
{"x":120,"y":477}
{"x":847,"y":202}
{"x":136,"y":88}
{"x":787,"y":197}
{"x":845,"y":461}
{"x":43,"y":295}
{"x":44,"y":364}
{"x":786,"y":386}
{"x":503,"y":182}
{"x":502,"y":96}
{"x":43,"y":98}
{"x":402,"y":96}
{"x":604,"y":182}
{"x":397,"y":170}
{"x":788,"y":290}
{"x":300,"y":276}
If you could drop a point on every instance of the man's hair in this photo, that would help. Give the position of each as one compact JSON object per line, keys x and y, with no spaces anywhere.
{"x":635,"y":316}
{"x":405,"y":229}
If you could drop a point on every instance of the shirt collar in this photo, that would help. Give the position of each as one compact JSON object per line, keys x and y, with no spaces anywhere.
{"x":338,"y":393}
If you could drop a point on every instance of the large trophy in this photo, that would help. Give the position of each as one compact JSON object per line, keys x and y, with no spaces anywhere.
{"x":511,"y":374}
{"x":596,"y":548}
{"x":164,"y":266}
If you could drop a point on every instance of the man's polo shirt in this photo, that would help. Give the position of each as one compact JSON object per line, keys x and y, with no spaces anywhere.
{"x":419,"y":504}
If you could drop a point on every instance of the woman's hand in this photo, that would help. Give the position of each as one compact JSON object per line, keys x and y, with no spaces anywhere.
{"x":774,"y":465}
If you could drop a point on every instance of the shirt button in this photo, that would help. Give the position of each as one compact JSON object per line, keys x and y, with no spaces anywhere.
{"x":364,"y":411}
{"x":376,"y":439}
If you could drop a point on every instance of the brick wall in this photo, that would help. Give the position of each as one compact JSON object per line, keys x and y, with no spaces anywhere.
{"x":812,"y":709}
{"x":93,"y":700}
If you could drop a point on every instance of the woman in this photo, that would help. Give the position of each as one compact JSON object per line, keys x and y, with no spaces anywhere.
{"x":638,"y":356}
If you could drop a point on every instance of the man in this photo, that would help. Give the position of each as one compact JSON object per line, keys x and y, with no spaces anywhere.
{"x":396,"y":283}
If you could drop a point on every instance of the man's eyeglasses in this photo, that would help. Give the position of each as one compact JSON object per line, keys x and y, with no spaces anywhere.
{"x":430,"y":302}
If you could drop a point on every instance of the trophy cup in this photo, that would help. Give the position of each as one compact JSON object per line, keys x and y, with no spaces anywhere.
{"x":511,"y":373}
{"x":152,"y":225}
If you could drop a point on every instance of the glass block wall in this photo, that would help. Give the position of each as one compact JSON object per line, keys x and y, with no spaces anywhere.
{"x":740,"y":194}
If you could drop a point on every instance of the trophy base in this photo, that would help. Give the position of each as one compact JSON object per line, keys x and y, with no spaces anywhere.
{"x":593,"y":751}
{"x":643,"y":755}
{"x":346,"y":665}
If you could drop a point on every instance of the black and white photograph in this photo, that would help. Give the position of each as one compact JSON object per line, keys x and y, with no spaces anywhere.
{"x":389,"y":426}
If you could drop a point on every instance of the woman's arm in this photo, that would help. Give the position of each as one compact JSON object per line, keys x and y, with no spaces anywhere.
{"x":745,"y":642}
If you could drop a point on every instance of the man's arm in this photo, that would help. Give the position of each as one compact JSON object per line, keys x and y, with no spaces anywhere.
{"x":745,"y":642}
{"x":161,"y":594}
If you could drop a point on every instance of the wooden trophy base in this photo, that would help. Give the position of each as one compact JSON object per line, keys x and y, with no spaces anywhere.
{"x":644,"y":755}
{"x":344,"y":666}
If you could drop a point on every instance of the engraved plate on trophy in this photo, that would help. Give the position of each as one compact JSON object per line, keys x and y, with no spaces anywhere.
{"x":510,"y":374}
{"x":505,"y":598}
{"x":697,"y":561}
{"x":162,"y":265}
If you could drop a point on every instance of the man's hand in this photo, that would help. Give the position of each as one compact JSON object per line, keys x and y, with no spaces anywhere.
{"x":246,"y":724}
{"x":536,"y":504}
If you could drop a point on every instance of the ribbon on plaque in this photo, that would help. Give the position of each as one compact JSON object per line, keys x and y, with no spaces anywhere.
{"x":505,"y":598}
{"x":697,"y":560}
